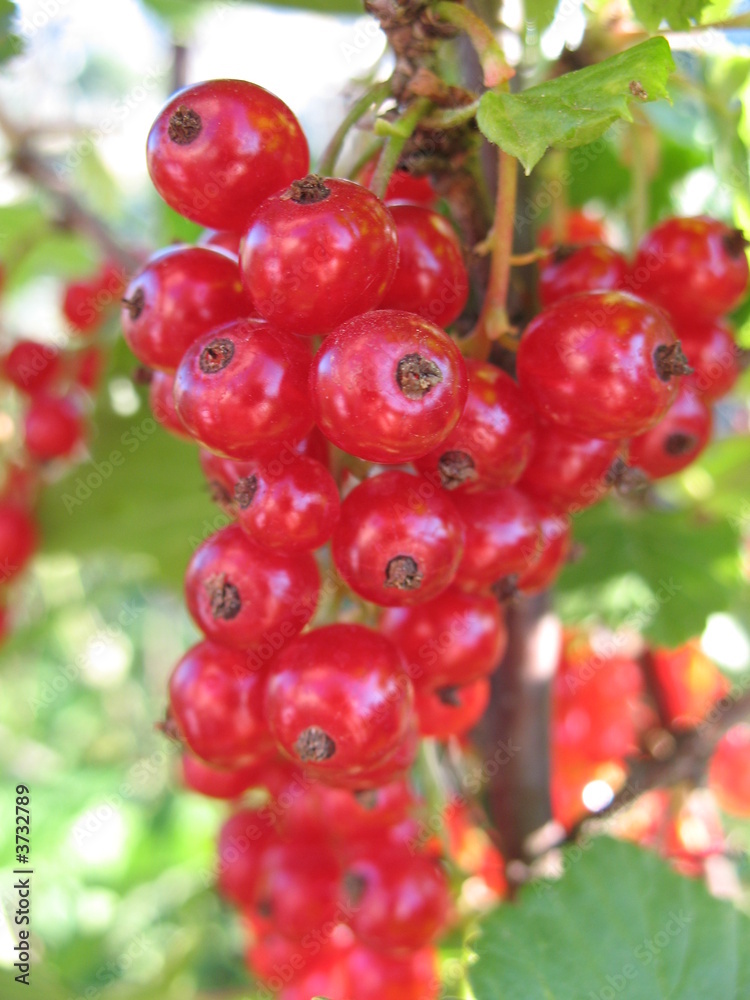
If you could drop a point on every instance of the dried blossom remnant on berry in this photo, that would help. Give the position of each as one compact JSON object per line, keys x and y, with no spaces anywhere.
{"x":678,"y":444}
{"x":402,"y":572}
{"x":416,"y":375}
{"x":216,"y":356}
{"x":245,"y":490}
{"x":449,"y":695}
{"x":224,"y":598}
{"x":455,"y":469}
{"x":670,"y":361}
{"x":135,"y":304}
{"x":308,"y":191}
{"x":354,"y":887}
{"x":314,"y":744}
{"x":506,"y":590}
{"x":169,"y":728}
{"x":735,"y":243}
{"x":219,"y":493}
{"x":184,"y":125}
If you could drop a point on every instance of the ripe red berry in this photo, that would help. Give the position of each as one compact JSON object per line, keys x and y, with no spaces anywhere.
{"x":402,"y":186}
{"x":218,"y":148}
{"x":503,"y":537}
{"x":298,"y":885}
{"x":319,"y":253}
{"x":689,"y":683}
{"x":450,"y":640}
{"x":224,"y":239}
{"x":161,"y":401}
{"x":572,"y":269}
{"x":712,"y":354}
{"x":399,"y":899}
{"x":180,"y":294}
{"x":388,"y":386}
{"x":242,"y":841}
{"x":221,"y":783}
{"x":397,"y":976}
{"x":85,"y":303}
{"x":431,"y":278}
{"x":52,"y":427}
{"x":601,"y":364}
{"x":216,"y":704}
{"x":451,"y":711}
{"x":88,"y":369}
{"x":339,"y":701}
{"x":296,"y":509}
{"x":556,"y":544}
{"x":490,"y":445}
{"x":398,"y":541}
{"x":693,"y":268}
{"x":567,"y":470}
{"x":243,"y":596}
{"x":243,"y":385}
{"x":729,"y":771}
{"x":676,"y":441}
{"x":32,"y":366}
{"x":18,"y":539}
{"x":579,"y":227}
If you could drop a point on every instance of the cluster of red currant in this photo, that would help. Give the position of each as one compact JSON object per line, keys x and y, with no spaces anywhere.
{"x":314,"y":316}
{"x":48,"y":387}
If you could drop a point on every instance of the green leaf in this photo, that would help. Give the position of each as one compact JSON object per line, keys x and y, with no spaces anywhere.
{"x":578,"y":107}
{"x":541,"y":12}
{"x":11,"y":44}
{"x":661,"y":573}
{"x":620,"y":924}
{"x":677,"y":13}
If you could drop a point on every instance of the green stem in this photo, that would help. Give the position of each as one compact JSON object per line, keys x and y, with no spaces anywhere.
{"x":491,"y":57}
{"x":400,"y":132}
{"x":493,"y":323}
{"x":372,"y":96}
{"x":452,"y":117}
{"x":639,"y":194}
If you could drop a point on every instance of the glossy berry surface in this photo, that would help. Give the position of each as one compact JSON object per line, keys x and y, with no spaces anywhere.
{"x":450,"y":640}
{"x":217,"y":149}
{"x":601,"y":364}
{"x":246,"y":597}
{"x":729,"y":771}
{"x":491,"y":444}
{"x":572,"y":269}
{"x":243,"y":840}
{"x":216,"y":704}
{"x":568,"y":470}
{"x":451,"y":711}
{"x":294,"y":510}
{"x":401,"y":898}
{"x":398,"y":541}
{"x":31,"y":366}
{"x":18,"y":539}
{"x":224,"y":239}
{"x":179,"y":295}
{"x":52,"y":427}
{"x":503,"y":536}
{"x":161,"y":401}
{"x":431,"y":278}
{"x":713,"y":355}
{"x":695,"y":267}
{"x":222,"y":783}
{"x":338,"y":700}
{"x":298,"y":885}
{"x":402,"y":186}
{"x":319,"y":253}
{"x":388,"y":386}
{"x":398,"y":976}
{"x":556,"y":543}
{"x":243,"y":385}
{"x":677,"y":440}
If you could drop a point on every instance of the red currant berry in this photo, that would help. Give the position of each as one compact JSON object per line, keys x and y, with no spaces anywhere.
{"x":242,"y":842}
{"x":244,"y":385}
{"x":676,"y":441}
{"x":223,"y":239}
{"x":299,"y":885}
{"x":503,"y":536}
{"x":179,"y":295}
{"x":32,"y":366}
{"x":220,"y":783}
{"x":319,"y":253}
{"x":451,"y":711}
{"x":601,"y":364}
{"x":18,"y":539}
{"x":689,"y":683}
{"x":568,"y":471}
{"x":244,"y":596}
{"x":398,"y":541}
{"x":729,"y":771}
{"x":712,"y":354}
{"x":579,"y":227}
{"x":52,"y":427}
{"x":388,"y":386}
{"x":451,"y":640}
{"x":398,"y":899}
{"x":395,"y":768}
{"x":219,"y":148}
{"x":89,"y":367}
{"x":294,"y":510}
{"x":402,"y":186}
{"x":556,"y":544}
{"x":216,"y":704}
{"x":161,"y":400}
{"x":694,"y":268}
{"x":338,"y":700}
{"x":572,"y":269}
{"x":408,"y":976}
{"x":492,"y":442}
{"x":431,"y":278}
